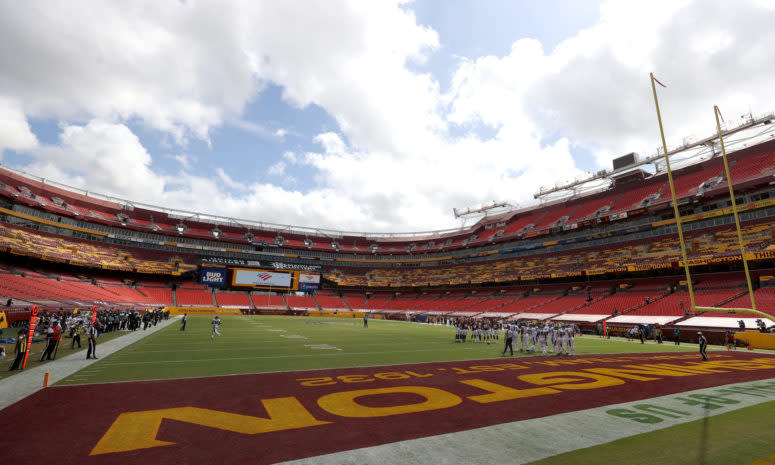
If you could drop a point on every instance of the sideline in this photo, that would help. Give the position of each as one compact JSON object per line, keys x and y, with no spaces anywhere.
{"x":17,"y":387}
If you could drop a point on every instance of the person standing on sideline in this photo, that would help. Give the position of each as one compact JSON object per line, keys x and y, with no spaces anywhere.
{"x":53,"y":333}
{"x":703,"y":345}
{"x":76,"y":335}
{"x":677,"y":336}
{"x":19,"y":349}
{"x":91,"y":352}
{"x":183,"y":321}
{"x":365,"y":320}
{"x":508,"y":337}
{"x":216,"y":323}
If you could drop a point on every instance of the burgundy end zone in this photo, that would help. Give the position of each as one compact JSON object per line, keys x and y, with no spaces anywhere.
{"x":75,"y":419}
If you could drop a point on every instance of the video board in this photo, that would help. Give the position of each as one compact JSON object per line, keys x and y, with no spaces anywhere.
{"x":263,"y":279}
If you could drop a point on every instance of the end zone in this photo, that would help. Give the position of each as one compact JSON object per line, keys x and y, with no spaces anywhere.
{"x":266,"y":418}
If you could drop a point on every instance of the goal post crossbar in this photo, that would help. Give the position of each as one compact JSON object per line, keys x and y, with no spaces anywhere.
{"x":735,"y":310}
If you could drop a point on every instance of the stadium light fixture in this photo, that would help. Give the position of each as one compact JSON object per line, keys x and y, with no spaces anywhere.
{"x":216,"y":232}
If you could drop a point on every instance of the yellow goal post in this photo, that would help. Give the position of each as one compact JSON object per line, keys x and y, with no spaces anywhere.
{"x":679,"y":222}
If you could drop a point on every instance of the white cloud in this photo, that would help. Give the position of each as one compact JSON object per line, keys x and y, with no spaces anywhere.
{"x":391,"y":163}
{"x":277,"y":169}
{"x":599,"y":93}
{"x":100,"y":157}
{"x":180,"y":67}
{"x":290,"y":157}
{"x":252,"y":127}
{"x":184,"y":160}
{"x":229,"y":181}
{"x":15,"y":133}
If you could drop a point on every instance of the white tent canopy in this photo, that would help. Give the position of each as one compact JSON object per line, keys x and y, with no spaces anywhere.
{"x":644,"y":319}
{"x":532,"y":316}
{"x":580,"y":317}
{"x":723,"y":322}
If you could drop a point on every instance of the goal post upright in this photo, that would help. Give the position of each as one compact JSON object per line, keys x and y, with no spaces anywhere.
{"x":672,"y":193}
{"x":717,"y":113}
{"x":753,"y":309}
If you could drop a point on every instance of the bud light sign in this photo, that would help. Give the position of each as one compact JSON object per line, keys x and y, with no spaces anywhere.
{"x":212,"y":276}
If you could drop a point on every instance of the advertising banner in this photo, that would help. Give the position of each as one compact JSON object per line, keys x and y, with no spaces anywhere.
{"x":211,"y":276}
{"x":309,"y":278}
{"x":309,"y":282}
{"x":229,"y":261}
{"x":295,"y":266}
{"x":261,"y":278}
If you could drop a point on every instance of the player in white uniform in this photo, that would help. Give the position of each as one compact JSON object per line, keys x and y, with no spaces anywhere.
{"x":552,"y":340}
{"x":571,"y":337}
{"x":563,"y":337}
{"x":216,"y":323}
{"x":543,"y":335}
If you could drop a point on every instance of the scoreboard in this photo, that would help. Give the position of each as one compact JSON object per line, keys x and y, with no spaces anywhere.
{"x":256,"y":278}
{"x":262,"y":278}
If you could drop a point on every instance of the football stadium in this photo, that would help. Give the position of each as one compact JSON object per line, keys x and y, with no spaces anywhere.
{"x":624,"y":316}
{"x":356,"y":338}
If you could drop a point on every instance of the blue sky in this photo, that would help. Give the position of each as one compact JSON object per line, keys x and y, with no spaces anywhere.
{"x":365,"y":116}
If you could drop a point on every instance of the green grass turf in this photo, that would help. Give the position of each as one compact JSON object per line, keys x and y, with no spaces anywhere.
{"x":739,"y":437}
{"x":255,"y":344}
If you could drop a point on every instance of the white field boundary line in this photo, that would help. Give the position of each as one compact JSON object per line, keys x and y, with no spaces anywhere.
{"x":387,"y":367}
{"x":535,"y":439}
{"x":17,"y":387}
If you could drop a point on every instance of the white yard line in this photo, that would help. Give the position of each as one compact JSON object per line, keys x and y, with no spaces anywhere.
{"x":17,"y":387}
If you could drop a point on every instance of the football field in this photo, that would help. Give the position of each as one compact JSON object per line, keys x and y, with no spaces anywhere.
{"x":279,"y":389}
{"x":259,"y":344}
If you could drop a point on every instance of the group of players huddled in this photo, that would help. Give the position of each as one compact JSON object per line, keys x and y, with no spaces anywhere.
{"x":484,"y":330}
{"x":524,"y":337}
